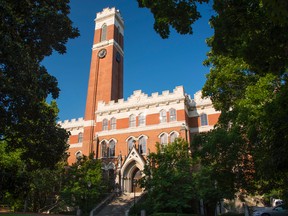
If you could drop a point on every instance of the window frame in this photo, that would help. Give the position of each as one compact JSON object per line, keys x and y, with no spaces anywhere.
{"x":163,"y":116}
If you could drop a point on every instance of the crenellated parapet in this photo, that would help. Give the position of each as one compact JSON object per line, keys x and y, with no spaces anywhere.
{"x":72,"y":123}
{"x":139,"y":100}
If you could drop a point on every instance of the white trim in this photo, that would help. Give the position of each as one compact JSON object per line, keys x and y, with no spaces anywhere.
{"x":76,"y":145}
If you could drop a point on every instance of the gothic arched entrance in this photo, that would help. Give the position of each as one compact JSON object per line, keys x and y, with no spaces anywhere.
{"x":131,"y":172}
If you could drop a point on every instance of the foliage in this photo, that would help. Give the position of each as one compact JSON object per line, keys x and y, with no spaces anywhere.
{"x":83,"y":182}
{"x":248,"y":84}
{"x":179,"y":15}
{"x":30,"y":31}
{"x":168,"y":167}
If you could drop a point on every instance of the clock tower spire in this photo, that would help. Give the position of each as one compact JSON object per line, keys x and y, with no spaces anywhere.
{"x":106,"y":69}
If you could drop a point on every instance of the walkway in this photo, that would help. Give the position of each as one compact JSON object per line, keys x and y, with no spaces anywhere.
{"x":119,"y":205}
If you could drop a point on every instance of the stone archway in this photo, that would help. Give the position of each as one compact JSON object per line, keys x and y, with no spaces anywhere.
{"x":132,"y":169}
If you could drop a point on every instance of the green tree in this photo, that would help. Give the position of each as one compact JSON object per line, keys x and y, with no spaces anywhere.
{"x":168,"y":178}
{"x":83,"y":184}
{"x":30,"y":31}
{"x":247,"y":83}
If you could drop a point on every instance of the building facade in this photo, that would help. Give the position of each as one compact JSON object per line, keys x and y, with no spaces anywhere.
{"x":122,"y":132}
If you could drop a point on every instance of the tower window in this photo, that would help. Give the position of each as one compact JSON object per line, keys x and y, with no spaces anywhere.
{"x":103,"y":32}
{"x":111,"y":150}
{"x":132,"y":121}
{"x":142,"y":145}
{"x":203,"y":119}
{"x":141,"y":119}
{"x":80,"y":137}
{"x":113,"y":123}
{"x":172,"y":114}
{"x":163,"y":116}
{"x":103,"y":149}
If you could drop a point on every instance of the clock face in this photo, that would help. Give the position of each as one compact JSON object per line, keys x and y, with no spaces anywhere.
{"x":102,"y":53}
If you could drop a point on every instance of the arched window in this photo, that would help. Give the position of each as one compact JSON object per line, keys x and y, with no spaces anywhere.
{"x":103,"y":32}
{"x":141,"y":119}
{"x":105,"y":125}
{"x":172,"y":114}
{"x":132,"y":121}
{"x":142,"y":145}
{"x":163,"y":116}
{"x":80,"y":137}
{"x":131,"y":143}
{"x":164,"y":138}
{"x":173,"y":136}
{"x":103,"y":149}
{"x":113,"y":123}
{"x":203,"y":119}
{"x":78,"y":155}
{"x":112,"y":148}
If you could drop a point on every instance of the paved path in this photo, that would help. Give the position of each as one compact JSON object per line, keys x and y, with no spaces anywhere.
{"x":118,"y":206}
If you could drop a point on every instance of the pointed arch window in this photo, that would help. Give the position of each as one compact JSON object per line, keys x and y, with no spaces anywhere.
{"x":80,"y":137}
{"x":78,"y":155}
{"x":105,"y":125}
{"x":203,"y":119}
{"x":142,"y":145}
{"x":163,"y":141}
{"x":104,"y":149}
{"x":173,"y":136}
{"x":163,"y":116}
{"x":141,"y":119}
{"x":113,"y":123}
{"x":132,"y":121}
{"x":111,"y":149}
{"x":164,"y":138}
{"x":131,"y":143}
{"x":172,"y":114}
{"x":103,"y":32}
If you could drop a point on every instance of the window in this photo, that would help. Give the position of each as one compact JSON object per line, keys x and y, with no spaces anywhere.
{"x":141,"y":119}
{"x":132,"y":121}
{"x":142,"y":145}
{"x":163,"y":116}
{"x":105,"y":124}
{"x":80,"y":137}
{"x":163,"y":141}
{"x":203,"y":119}
{"x":113,"y":123}
{"x":164,"y":138}
{"x":173,"y":136}
{"x":103,"y":32}
{"x":111,"y":148}
{"x":172,"y":114}
{"x":130,"y":144}
{"x":103,"y":149}
{"x":78,"y":155}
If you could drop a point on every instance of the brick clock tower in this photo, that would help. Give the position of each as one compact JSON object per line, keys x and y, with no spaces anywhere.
{"x":106,"y":70}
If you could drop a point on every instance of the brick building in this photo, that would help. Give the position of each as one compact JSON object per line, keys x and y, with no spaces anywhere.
{"x":123,"y":132}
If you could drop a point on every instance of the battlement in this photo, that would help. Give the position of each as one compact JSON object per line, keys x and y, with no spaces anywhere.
{"x":71,"y":123}
{"x":138,"y":99}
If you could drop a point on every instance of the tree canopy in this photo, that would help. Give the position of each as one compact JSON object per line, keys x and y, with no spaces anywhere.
{"x":30,"y":31}
{"x":247,"y":82}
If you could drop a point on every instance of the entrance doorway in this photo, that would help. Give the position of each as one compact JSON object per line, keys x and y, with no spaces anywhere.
{"x":136,"y":176}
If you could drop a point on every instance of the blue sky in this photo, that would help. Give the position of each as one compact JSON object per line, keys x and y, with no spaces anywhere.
{"x":151,"y":63}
